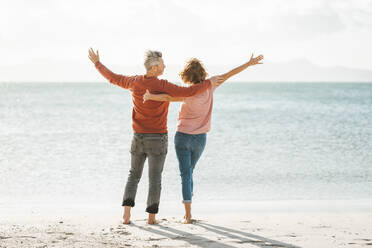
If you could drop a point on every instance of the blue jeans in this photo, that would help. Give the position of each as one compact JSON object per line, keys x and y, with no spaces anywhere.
{"x":189,"y":148}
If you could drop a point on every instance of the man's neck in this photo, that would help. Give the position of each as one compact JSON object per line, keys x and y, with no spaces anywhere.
{"x":150,"y":74}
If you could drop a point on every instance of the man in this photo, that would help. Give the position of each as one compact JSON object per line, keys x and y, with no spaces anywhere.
{"x":149,"y":122}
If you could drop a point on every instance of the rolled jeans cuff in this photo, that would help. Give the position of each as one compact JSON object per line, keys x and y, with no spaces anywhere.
{"x":128,"y":202}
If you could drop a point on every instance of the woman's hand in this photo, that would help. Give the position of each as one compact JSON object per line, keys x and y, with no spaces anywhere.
{"x":147,"y":96}
{"x":255,"y":61}
{"x":94,"y":57}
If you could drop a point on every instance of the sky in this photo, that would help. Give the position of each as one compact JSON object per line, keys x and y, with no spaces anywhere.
{"x":49,"y":39}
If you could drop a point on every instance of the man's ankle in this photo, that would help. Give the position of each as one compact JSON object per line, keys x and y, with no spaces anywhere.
{"x":127,"y":209}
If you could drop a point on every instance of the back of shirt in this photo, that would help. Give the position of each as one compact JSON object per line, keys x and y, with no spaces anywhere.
{"x":149,"y":116}
{"x":196,"y":112}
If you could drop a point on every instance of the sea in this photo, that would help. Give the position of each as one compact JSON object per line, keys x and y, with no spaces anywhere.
{"x":68,"y":143}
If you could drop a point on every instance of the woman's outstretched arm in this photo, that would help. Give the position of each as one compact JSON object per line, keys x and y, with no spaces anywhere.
{"x":252,"y":61}
{"x":161,"y":97}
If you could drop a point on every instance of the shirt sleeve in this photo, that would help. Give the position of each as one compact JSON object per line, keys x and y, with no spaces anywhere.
{"x":180,"y":91}
{"x":119,"y":80}
{"x":213,"y":87}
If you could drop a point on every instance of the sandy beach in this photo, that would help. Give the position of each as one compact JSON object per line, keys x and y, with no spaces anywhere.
{"x":101,"y":227}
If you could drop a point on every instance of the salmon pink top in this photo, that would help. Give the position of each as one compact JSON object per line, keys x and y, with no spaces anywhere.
{"x":196,"y":113}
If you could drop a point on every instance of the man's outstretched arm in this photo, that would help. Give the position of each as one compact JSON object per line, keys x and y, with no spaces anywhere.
{"x":119,"y":80}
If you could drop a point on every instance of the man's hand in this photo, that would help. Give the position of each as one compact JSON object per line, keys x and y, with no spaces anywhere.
{"x":255,"y":61}
{"x":94,"y":57}
{"x":217,"y":80}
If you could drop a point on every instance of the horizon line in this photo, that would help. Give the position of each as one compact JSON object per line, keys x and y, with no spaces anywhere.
{"x":257,"y":81}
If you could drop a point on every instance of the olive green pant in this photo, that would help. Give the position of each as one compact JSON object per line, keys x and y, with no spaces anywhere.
{"x":154,"y":147}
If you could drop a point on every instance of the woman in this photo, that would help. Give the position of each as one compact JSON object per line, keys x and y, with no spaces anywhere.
{"x":194,"y":121}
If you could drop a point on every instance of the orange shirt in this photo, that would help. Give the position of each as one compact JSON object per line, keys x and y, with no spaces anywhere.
{"x":151,"y":116}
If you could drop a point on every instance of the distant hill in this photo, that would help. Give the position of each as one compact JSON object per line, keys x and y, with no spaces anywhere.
{"x":299,"y":71}
{"x":292,"y":71}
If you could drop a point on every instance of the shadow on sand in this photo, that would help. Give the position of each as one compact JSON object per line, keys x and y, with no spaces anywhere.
{"x":243,"y":237}
{"x":235,"y":236}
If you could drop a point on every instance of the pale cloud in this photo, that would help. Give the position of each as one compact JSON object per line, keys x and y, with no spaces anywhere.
{"x":225,"y":32}
{"x":305,"y":26}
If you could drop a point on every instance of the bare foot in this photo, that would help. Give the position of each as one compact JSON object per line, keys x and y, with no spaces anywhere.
{"x":187,"y":219}
{"x":152,"y":222}
{"x":126,"y":219}
{"x":187,"y":216}
{"x":126,"y":216}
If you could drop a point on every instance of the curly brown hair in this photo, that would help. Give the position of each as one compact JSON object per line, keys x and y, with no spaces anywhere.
{"x":193,"y":72}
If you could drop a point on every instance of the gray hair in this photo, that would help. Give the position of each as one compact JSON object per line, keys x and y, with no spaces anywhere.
{"x":152,"y":58}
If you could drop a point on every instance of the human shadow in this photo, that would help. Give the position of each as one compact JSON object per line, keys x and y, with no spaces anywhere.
{"x":237,"y":236}
{"x":248,"y":238}
{"x":190,"y":238}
